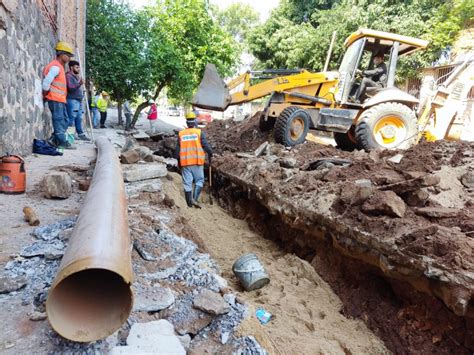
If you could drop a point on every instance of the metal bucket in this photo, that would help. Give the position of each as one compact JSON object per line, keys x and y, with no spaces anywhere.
{"x":250,"y":272}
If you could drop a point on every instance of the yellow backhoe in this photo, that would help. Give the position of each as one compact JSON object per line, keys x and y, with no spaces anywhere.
{"x":300,"y":100}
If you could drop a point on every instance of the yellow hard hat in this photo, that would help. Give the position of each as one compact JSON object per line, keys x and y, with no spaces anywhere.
{"x":64,"y":47}
{"x":190,"y":116}
{"x":104,"y":93}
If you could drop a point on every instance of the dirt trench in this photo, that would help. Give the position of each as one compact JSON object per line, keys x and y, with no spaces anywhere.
{"x":308,"y":317}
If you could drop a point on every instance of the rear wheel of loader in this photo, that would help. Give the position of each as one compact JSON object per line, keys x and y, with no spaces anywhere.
{"x":389,"y":125}
{"x":346,"y":141}
{"x":291,"y":126}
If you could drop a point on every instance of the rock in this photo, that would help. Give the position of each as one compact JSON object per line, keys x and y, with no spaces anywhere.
{"x":37,"y":316}
{"x":140,"y":135}
{"x":468,"y":179}
{"x":211,"y":302}
{"x":140,"y":172}
{"x":153,"y":299}
{"x":145,"y":153}
{"x":422,"y":232}
{"x":396,"y":158}
{"x":51,"y":250}
{"x":185,"y":340}
{"x":152,"y":186}
{"x":57,"y":185}
{"x":287,"y":173}
{"x":413,"y":184}
{"x":130,"y":143}
{"x":245,"y":155}
{"x":84,"y":184}
{"x":416,"y":198}
{"x":155,"y":337}
{"x":129,"y":157}
{"x":259,"y":151}
{"x":363,"y":183}
{"x":9,"y":284}
{"x":221,"y":282}
{"x":356,"y":195}
{"x":374,"y":156}
{"x":384,"y":202}
{"x":289,"y":163}
{"x":437,"y":212}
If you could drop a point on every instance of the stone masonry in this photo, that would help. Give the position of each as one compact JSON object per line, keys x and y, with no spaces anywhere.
{"x":29,"y":30}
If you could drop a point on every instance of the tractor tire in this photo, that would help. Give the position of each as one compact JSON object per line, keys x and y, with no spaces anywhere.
{"x":389,"y":125}
{"x":267,"y":125}
{"x":291,"y":126}
{"x":346,"y":141}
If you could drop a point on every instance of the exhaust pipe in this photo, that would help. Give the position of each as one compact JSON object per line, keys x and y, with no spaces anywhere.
{"x":91,"y":297}
{"x":212,"y":93}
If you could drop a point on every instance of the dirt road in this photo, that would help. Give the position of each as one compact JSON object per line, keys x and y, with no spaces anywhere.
{"x":306,"y":312}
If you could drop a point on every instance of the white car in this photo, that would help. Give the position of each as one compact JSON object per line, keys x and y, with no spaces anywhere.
{"x":173,"y":111}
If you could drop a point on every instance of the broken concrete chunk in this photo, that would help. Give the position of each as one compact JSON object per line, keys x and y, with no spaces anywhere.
{"x":37,"y":316}
{"x":396,"y":158}
{"x":259,"y":151}
{"x":416,"y":198}
{"x":140,"y":135}
{"x":185,"y":340}
{"x":145,"y":153}
{"x":422,"y":232}
{"x":155,"y":337}
{"x":356,"y":195}
{"x":57,"y":185}
{"x":437,"y":212}
{"x":211,"y":302}
{"x":129,"y":157}
{"x":130,"y":143}
{"x":152,"y":186}
{"x":140,"y":172}
{"x":363,"y":183}
{"x":9,"y":284}
{"x":153,"y":299}
{"x":289,"y":163}
{"x":385,"y":202}
{"x":468,"y":179}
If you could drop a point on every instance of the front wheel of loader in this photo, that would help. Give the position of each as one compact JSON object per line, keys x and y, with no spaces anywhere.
{"x":389,"y":125}
{"x":291,"y":126}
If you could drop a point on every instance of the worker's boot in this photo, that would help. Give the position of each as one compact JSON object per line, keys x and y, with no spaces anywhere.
{"x":197,"y":192}
{"x":189,"y":198}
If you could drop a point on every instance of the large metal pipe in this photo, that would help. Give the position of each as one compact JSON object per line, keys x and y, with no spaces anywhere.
{"x":91,"y":295}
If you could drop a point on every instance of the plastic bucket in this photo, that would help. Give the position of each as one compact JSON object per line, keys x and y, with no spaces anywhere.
{"x":250,"y":272}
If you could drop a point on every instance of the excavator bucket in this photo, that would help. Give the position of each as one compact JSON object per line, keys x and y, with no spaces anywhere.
{"x":212,"y":93}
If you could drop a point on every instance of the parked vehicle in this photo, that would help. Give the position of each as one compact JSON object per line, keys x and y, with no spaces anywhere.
{"x":173,"y":111}
{"x":203,"y":117}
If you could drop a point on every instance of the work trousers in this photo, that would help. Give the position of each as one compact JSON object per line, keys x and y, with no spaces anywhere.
{"x":366,"y":83}
{"x":95,"y":117}
{"x":74,"y":111}
{"x":60,"y":121}
{"x":103,"y":118}
{"x":128,"y":120}
{"x":190,"y":174}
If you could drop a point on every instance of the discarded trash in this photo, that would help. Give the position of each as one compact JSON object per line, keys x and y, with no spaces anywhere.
{"x":250,"y":272}
{"x":30,"y":216}
{"x":263,"y":316}
{"x":12,"y":174}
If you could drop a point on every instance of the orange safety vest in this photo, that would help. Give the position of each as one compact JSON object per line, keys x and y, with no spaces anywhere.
{"x":58,"y":90}
{"x":190,"y":148}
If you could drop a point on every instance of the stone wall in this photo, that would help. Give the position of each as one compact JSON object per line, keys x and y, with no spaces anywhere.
{"x":29,"y":30}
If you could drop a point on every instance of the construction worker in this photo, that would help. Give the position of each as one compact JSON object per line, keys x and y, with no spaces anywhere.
{"x":75,"y":94}
{"x":95,"y":110}
{"x":102,"y":103}
{"x":191,"y":152}
{"x":55,"y":92}
{"x":376,"y":77}
{"x":128,"y":115}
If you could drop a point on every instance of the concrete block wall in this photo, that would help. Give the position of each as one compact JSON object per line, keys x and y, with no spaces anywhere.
{"x":29,"y":30}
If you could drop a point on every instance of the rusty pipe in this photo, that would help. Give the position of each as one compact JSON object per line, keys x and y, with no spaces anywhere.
{"x":91,"y":297}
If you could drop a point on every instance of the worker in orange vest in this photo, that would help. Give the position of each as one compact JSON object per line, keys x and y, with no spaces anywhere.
{"x":191,"y":153}
{"x":55,"y":92}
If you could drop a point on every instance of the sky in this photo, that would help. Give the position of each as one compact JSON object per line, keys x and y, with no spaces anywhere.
{"x":263,"y":7}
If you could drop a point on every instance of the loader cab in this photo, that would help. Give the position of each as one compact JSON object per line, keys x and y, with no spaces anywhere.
{"x":362,"y":47}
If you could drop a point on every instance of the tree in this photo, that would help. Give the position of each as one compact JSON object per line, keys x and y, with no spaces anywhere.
{"x":115,"y":49}
{"x":238,"y":19}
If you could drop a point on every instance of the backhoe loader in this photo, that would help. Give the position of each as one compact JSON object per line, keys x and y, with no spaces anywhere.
{"x":299,"y":100}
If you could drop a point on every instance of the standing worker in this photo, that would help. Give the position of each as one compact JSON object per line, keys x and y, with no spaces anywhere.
{"x":102,"y":103}
{"x":128,"y":115}
{"x":152,"y":115}
{"x":55,"y":92}
{"x":95,"y":110}
{"x":75,"y":94}
{"x":191,"y":154}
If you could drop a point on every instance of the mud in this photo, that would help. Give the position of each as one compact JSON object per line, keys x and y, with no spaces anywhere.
{"x":413,"y":252}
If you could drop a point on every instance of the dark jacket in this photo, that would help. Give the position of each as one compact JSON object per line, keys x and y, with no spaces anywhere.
{"x":205,"y":145}
{"x":378,"y":74}
{"x":74,"y":89}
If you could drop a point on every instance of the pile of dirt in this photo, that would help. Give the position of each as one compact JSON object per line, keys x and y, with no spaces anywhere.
{"x":236,"y":136}
{"x":407,"y":213}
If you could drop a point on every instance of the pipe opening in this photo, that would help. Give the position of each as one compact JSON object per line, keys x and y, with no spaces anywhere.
{"x":89,"y":305}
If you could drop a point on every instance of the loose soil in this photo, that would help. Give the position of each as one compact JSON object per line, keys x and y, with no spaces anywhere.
{"x":307,"y":315}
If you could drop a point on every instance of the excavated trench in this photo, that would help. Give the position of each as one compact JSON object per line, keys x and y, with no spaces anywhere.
{"x":407,"y":320}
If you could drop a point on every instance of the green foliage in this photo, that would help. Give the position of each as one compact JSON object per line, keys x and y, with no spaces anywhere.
{"x":238,"y":19}
{"x":299,"y":31}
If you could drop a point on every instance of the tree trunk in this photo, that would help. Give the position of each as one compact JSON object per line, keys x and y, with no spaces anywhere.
{"x":120,"y":119}
{"x":145,"y":104}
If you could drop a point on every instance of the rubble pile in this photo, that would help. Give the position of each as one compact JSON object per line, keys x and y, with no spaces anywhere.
{"x":407,"y":215}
